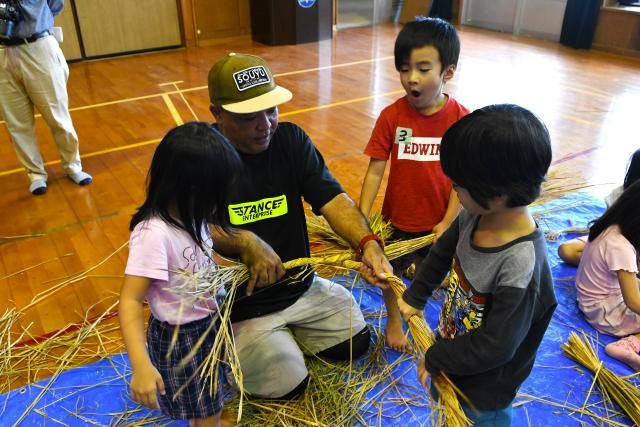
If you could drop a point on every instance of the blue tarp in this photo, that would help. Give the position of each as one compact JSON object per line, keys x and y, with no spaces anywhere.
{"x":97,"y":393}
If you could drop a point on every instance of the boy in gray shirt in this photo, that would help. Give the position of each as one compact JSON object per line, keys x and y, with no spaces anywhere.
{"x":500,"y":296}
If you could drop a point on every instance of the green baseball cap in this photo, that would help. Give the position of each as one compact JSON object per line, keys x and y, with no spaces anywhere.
{"x":242,"y":83}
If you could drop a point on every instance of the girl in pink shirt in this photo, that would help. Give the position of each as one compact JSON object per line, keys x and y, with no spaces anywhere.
{"x":188,"y":183}
{"x":571,"y":251}
{"x":607,"y":279}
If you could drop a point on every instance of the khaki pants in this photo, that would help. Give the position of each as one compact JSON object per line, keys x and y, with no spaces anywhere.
{"x":35,"y":74}
{"x":269,"y":347}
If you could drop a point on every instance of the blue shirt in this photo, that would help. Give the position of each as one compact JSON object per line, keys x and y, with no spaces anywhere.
{"x":37,"y":16}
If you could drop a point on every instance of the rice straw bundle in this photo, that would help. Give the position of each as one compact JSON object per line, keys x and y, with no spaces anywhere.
{"x":450,"y":412}
{"x":205,"y":285}
{"x":326,"y":242}
{"x":559,"y":184}
{"x":613,"y":387}
{"x":216,"y":279}
{"x":404,"y":247}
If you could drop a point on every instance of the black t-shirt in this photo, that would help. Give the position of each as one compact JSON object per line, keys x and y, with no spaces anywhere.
{"x":267,"y":200}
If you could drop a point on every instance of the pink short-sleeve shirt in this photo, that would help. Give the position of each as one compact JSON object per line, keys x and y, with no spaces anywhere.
{"x":597,"y":277}
{"x":160,"y":251}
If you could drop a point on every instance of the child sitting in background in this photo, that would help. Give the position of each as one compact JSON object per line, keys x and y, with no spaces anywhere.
{"x":188,"y":183}
{"x":607,"y":282}
{"x":500,"y":297}
{"x":571,"y":250}
{"x":419,"y":199}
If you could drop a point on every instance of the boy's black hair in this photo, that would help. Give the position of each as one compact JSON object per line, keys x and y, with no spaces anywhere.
{"x":422,"y":32}
{"x":625,"y":213}
{"x":498,"y":150}
{"x":633,"y":170}
{"x":192,"y":171}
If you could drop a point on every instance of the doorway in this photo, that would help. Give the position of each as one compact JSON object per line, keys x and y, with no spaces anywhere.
{"x":362,"y":13}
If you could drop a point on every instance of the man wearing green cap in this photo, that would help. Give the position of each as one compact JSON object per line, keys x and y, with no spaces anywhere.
{"x":279,"y":312}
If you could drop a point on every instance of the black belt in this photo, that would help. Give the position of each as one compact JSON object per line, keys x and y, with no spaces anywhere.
{"x":15,"y":41}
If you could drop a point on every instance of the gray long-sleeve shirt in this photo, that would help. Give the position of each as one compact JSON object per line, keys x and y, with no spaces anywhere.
{"x":497,"y":307}
{"x":37,"y":16}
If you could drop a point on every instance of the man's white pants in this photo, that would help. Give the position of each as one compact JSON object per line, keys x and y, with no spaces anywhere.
{"x":35,"y":74}
{"x":270,"y":347}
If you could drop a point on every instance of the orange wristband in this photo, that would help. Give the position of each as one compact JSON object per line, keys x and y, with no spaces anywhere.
{"x":364,"y":240}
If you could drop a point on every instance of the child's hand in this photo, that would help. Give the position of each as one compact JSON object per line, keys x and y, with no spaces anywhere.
{"x":145,"y":383}
{"x":438,"y":229}
{"x":423,"y":374}
{"x":407,"y":311}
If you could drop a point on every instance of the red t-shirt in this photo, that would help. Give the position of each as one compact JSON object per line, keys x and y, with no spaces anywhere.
{"x":418,"y":191}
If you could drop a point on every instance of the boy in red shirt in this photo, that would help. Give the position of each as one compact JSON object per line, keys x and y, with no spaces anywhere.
{"x":419,"y":199}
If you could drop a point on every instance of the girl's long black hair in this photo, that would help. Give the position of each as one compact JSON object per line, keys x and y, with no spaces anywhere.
{"x":191,"y":174}
{"x":625,"y":213}
{"x":633,"y":170}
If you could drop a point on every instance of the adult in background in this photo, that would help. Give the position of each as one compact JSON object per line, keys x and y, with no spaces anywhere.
{"x":33,"y":72}
{"x":280,"y":315}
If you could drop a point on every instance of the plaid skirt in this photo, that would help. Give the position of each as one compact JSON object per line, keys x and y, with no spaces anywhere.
{"x":195,"y":400}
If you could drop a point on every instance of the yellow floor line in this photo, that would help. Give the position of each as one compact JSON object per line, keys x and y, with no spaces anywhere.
{"x":171,"y":83}
{"x":336,"y":104}
{"x":581,"y":121}
{"x":193,"y":113}
{"x":346,"y":64}
{"x":289,"y":73}
{"x":289,"y":113}
{"x":172,"y":110}
{"x":88,"y":155}
{"x":139,"y":144}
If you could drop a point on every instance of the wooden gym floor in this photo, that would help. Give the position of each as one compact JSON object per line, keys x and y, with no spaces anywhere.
{"x":122,"y":107}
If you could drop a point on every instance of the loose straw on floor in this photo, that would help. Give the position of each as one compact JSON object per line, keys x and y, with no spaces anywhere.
{"x":341,"y":394}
